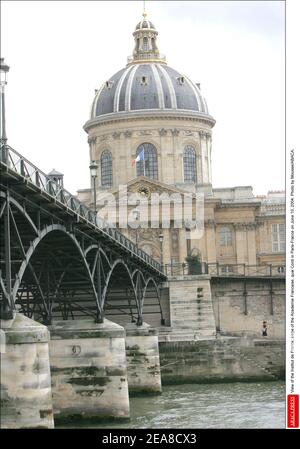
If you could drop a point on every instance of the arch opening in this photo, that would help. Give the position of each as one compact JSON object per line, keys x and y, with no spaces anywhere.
{"x":119,"y":296}
{"x":55,"y":282}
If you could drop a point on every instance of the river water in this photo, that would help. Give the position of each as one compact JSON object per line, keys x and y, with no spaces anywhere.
{"x":228,"y":405}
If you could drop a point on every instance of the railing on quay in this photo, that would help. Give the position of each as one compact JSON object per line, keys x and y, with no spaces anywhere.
{"x":224,"y":270}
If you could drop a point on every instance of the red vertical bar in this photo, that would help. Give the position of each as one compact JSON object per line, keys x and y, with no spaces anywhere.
{"x":293,"y":411}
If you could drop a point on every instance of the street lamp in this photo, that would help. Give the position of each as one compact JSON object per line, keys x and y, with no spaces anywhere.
{"x":161,"y":239}
{"x":93,"y":170}
{"x":4,"y":68}
{"x":136,"y":214}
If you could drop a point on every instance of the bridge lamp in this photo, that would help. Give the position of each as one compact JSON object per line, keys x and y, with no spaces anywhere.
{"x":93,"y":170}
{"x":161,"y":239}
{"x":4,"y":68}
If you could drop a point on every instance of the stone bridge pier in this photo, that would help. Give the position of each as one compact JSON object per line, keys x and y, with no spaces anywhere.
{"x":88,"y":370}
{"x":95,"y":366}
{"x":74,"y":370}
{"x":26,"y":400}
{"x":143,"y":363}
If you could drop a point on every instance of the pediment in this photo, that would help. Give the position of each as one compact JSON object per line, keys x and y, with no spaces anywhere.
{"x":145,"y":186}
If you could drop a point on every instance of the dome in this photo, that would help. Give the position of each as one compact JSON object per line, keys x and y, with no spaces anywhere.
{"x":148,"y":86}
{"x":145,"y":24}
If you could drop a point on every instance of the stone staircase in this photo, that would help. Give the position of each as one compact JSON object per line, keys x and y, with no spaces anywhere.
{"x":260,"y":365}
{"x":191,"y":312}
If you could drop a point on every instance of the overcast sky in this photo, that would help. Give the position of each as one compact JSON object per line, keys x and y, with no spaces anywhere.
{"x":60,"y":51}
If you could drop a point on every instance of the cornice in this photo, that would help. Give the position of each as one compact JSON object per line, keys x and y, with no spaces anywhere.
{"x":250,"y":226}
{"x":210,"y":223}
{"x":240,"y":203}
{"x":162,"y":132}
{"x":149,"y":114}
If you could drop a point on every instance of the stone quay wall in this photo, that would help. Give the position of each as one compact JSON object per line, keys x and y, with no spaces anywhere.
{"x":224,"y":359}
{"x":239,"y":314}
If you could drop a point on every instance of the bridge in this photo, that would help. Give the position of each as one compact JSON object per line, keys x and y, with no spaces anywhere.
{"x":74,"y":295}
{"x":59,"y":261}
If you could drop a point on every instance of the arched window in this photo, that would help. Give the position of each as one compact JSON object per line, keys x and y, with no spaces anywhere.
{"x":148,"y":166}
{"x":106,"y":169}
{"x":145,"y":44}
{"x":225,"y":236}
{"x":189,"y":164}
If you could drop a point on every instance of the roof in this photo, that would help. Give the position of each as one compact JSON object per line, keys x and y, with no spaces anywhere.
{"x":55,"y":173}
{"x":148,"y":86}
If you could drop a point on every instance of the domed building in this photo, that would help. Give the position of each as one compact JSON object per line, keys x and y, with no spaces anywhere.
{"x":149,"y":105}
{"x":150,"y":129}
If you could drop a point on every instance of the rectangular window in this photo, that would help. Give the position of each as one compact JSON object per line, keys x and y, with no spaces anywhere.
{"x":278,"y":238}
{"x":226,"y":269}
{"x":225,"y":237}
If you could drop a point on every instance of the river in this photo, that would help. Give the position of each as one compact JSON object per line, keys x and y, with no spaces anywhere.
{"x":225,"y":405}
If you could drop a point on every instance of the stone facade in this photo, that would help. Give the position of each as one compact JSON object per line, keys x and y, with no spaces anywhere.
{"x":246,"y":220}
{"x":170,"y":144}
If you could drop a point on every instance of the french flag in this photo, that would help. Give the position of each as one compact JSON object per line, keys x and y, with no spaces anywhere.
{"x":140,"y":157}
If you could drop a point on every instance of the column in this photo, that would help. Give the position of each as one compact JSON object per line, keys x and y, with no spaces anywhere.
{"x":208,"y":141}
{"x":210,"y":233}
{"x":203,"y":157}
{"x":177,"y":157}
{"x":167,"y":158}
{"x":166,"y":246}
{"x":182,"y":245}
{"x":251,"y":238}
{"x":241,"y":242}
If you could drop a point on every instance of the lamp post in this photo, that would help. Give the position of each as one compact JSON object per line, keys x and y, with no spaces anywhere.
{"x":4,"y":68}
{"x":93,"y":170}
{"x":161,"y":239}
{"x":136,"y":214}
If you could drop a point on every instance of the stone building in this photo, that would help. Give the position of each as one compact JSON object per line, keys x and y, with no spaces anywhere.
{"x":151,"y":109}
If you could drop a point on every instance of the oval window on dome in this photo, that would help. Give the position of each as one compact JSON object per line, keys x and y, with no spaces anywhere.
{"x":189,"y":164}
{"x":147,"y":166}
{"x":106,"y":169}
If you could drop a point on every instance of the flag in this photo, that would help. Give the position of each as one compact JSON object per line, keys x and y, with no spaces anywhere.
{"x":140,"y":157}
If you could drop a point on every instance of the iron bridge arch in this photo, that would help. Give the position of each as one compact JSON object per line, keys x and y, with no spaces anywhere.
{"x":58,"y":261}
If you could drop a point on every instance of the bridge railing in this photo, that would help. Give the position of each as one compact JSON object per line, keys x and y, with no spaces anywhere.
{"x":19,"y":164}
{"x":224,"y":270}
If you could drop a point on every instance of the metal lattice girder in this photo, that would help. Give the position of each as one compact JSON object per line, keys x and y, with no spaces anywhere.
{"x":56,"y":261}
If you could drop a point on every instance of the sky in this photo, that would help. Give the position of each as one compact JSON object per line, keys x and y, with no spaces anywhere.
{"x":59,"y":52}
